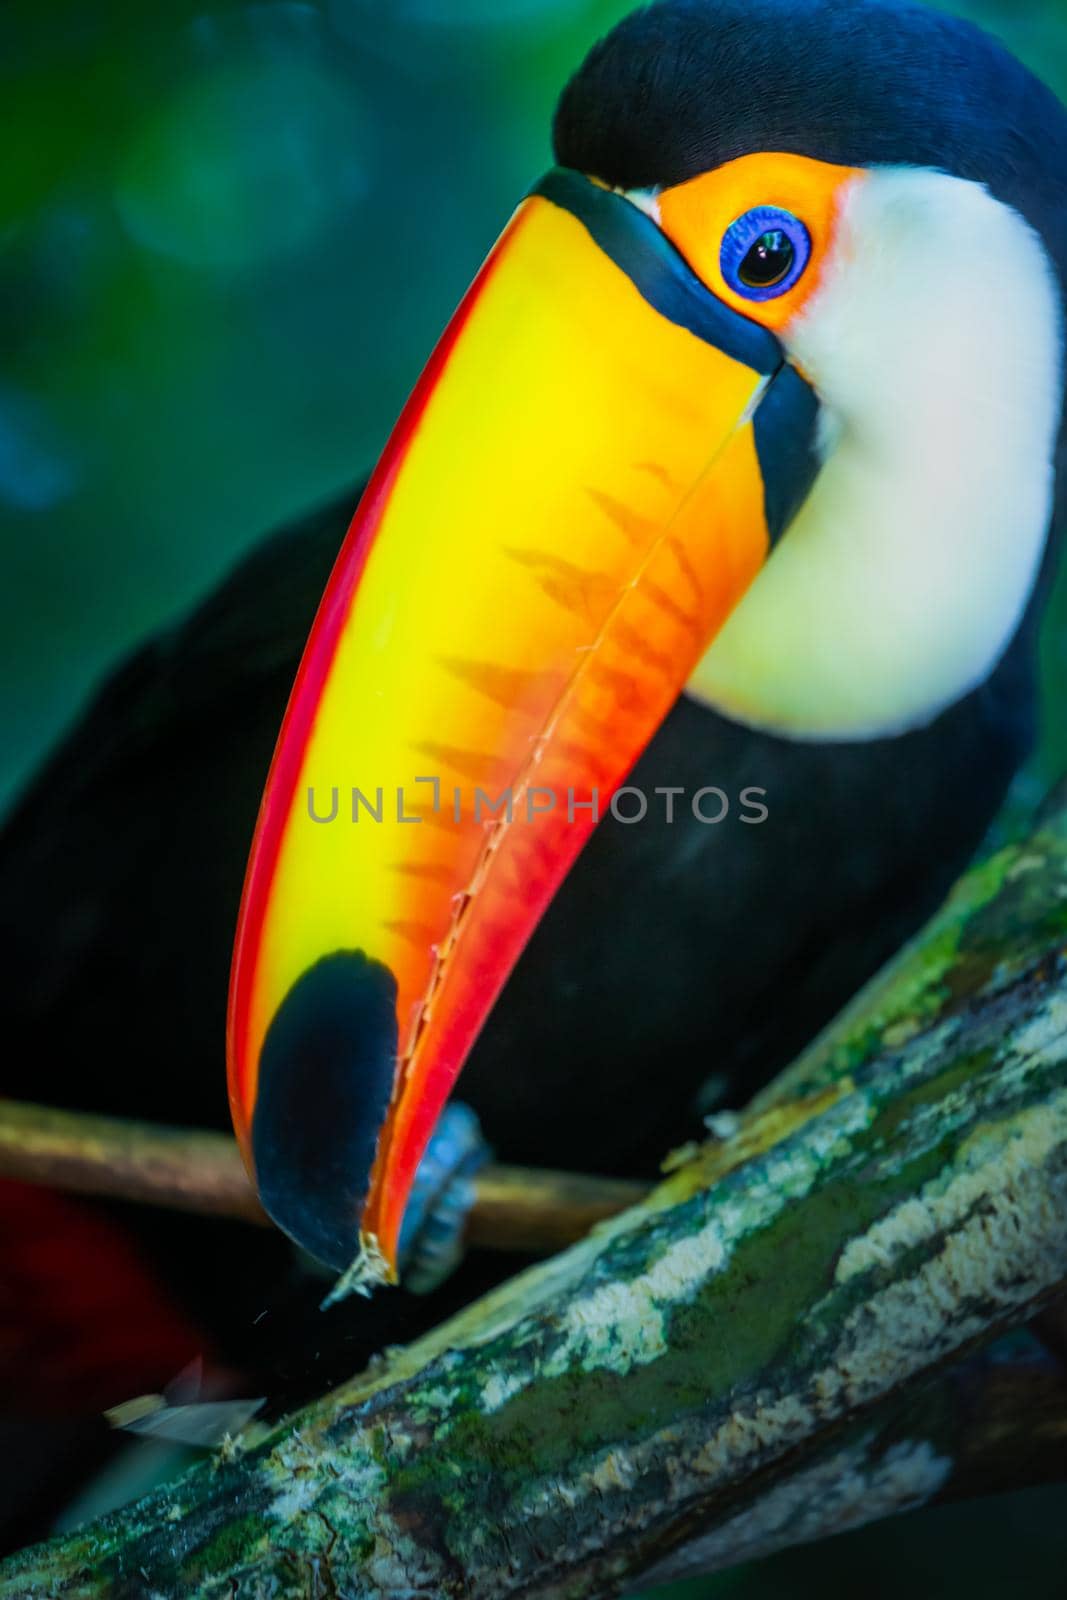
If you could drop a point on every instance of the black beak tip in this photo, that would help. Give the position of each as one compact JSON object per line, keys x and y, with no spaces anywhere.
{"x":325,"y":1082}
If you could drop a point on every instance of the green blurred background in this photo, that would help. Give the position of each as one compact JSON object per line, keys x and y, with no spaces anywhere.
{"x":229,"y":234}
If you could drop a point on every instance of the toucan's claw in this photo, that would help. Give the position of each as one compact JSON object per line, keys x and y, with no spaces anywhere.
{"x":435,"y":1221}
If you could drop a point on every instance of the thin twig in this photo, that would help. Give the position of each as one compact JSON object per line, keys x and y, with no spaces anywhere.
{"x":190,"y":1169}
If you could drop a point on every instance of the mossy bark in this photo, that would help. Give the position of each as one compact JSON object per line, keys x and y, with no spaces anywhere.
{"x":753,"y":1356}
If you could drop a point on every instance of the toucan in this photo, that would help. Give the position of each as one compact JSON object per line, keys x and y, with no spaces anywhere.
{"x":756,"y":401}
{"x":680,"y":652}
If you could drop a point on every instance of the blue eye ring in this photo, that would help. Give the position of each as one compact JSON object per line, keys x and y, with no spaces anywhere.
{"x":765,"y":253}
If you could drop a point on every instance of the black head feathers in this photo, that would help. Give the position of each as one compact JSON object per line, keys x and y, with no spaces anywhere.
{"x":682,"y":86}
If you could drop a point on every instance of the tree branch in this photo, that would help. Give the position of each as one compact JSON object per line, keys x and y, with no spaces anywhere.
{"x":759,"y":1353}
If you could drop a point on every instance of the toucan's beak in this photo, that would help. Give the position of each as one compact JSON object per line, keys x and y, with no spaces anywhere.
{"x":573,"y":500}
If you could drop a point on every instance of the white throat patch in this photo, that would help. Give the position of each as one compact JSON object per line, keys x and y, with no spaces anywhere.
{"x":935,"y":344}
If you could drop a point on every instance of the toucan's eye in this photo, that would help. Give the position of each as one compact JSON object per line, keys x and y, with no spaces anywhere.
{"x":765,"y":252}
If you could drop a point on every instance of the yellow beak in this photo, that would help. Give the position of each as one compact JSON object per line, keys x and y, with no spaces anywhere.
{"x":570,"y":506}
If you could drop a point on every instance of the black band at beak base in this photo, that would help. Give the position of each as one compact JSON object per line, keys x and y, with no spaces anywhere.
{"x":786,"y":417}
{"x":658,"y":271}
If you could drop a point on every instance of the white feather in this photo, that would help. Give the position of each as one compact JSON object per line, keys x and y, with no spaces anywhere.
{"x":935,"y":343}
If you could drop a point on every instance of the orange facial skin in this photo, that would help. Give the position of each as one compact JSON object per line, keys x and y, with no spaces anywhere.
{"x":570,"y":507}
{"x":696,"y":215}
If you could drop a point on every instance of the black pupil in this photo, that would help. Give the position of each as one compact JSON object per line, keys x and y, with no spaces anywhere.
{"x":768,"y":261}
